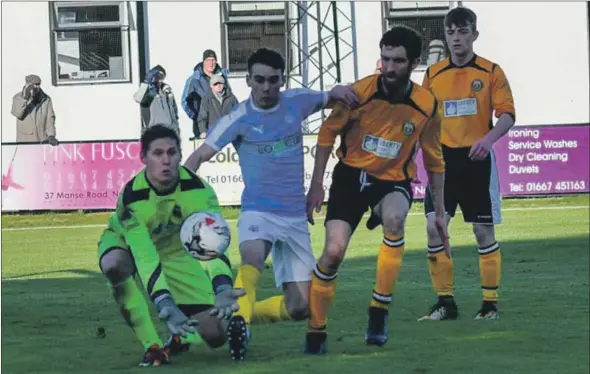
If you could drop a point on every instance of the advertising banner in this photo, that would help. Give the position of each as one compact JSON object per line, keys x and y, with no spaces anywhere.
{"x":531,"y":161}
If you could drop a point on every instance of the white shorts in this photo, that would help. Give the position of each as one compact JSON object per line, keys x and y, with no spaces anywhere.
{"x":292,"y":256}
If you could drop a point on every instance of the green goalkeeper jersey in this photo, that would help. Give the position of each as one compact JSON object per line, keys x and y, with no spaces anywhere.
{"x":150,"y":222}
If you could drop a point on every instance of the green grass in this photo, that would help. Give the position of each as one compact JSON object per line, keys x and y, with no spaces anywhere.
{"x":54,"y":299}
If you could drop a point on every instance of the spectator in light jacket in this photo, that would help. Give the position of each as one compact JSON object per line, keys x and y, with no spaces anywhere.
{"x":215,"y":105}
{"x":198,"y":85}
{"x":159,"y":100}
{"x":33,"y":109}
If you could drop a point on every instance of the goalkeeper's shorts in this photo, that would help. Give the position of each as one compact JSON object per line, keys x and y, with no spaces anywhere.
{"x":189,"y":284}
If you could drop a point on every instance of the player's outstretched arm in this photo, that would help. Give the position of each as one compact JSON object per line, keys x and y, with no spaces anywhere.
{"x":224,"y":131}
{"x":203,"y":154}
{"x":345,"y":95}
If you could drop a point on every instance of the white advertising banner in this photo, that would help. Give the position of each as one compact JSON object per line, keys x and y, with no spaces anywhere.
{"x":223,"y":171}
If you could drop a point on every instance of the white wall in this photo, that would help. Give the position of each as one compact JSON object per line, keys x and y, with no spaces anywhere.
{"x":369,"y":32}
{"x":85,"y":112}
{"x":548,"y":71}
{"x":543,"y":49}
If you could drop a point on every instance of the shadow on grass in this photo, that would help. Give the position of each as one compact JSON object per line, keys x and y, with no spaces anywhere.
{"x":50,"y":324}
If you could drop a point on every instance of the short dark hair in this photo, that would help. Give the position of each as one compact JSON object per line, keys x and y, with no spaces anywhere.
{"x":461,"y":17}
{"x":266,"y":57}
{"x":157,"y":132}
{"x":403,"y":36}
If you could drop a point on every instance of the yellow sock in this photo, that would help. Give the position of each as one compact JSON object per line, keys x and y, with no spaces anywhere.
{"x":441,"y":271}
{"x":323,"y":289}
{"x":389,"y":261}
{"x":270,"y":310}
{"x":490,"y":268}
{"x":247,"y":279}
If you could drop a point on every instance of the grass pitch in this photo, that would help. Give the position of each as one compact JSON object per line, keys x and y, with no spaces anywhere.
{"x":54,"y":299}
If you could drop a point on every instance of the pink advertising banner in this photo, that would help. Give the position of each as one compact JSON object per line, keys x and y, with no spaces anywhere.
{"x":531,"y":161}
{"x":66,"y":177}
{"x":537,"y":160}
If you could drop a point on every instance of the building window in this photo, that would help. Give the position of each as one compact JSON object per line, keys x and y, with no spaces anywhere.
{"x":90,"y":42}
{"x":426,"y":17}
{"x":248,"y":26}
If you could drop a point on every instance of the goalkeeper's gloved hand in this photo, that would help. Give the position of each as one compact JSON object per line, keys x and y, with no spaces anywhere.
{"x":226,"y":302}
{"x":176,"y":321}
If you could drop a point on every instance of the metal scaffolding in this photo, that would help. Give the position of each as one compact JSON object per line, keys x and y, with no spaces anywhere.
{"x":320,"y":58}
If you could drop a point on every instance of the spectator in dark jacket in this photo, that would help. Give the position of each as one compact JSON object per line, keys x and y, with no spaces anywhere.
{"x":159,"y":105}
{"x":215,"y":105}
{"x":198,"y":85}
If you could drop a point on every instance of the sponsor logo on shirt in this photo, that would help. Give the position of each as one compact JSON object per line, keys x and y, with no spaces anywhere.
{"x":381,"y":147}
{"x":459,"y":108}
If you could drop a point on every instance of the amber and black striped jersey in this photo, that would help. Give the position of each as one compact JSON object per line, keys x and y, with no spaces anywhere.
{"x":381,"y":136}
{"x":468,"y":96}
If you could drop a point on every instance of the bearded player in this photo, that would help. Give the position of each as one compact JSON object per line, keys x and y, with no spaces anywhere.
{"x":379,"y":140}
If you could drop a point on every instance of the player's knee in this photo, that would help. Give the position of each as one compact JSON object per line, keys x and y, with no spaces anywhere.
{"x":217,"y":340}
{"x":394,"y":223}
{"x":432,"y":233}
{"x":116,"y":265}
{"x":334,"y":253}
{"x":484,"y":235}
{"x":212,"y":330}
{"x":298,"y":308}
{"x":254,"y":253}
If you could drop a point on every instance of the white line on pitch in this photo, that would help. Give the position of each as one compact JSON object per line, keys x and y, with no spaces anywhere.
{"x":317,"y":218}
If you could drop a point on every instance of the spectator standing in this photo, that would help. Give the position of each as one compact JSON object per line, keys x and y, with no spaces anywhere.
{"x":33,"y":109}
{"x":158,"y":103}
{"x":198,"y":85}
{"x":215,"y":105}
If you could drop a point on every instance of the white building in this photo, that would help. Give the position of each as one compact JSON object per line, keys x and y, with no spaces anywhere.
{"x":90,"y":54}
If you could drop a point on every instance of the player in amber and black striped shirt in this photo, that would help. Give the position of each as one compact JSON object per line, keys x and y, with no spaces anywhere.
{"x":469,"y":89}
{"x":378,"y":143}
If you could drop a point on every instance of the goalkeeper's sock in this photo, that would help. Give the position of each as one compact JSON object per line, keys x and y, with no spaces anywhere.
{"x":270,"y":310}
{"x":490,"y":268}
{"x":247,"y":279}
{"x":135,"y":311}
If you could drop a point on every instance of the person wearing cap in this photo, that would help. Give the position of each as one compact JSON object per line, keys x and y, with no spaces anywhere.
{"x":159,"y":104}
{"x":198,"y":86}
{"x":215,"y":105}
{"x":35,"y":118}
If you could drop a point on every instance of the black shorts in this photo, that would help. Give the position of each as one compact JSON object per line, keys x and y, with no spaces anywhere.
{"x":353,"y":191}
{"x":471,"y":185}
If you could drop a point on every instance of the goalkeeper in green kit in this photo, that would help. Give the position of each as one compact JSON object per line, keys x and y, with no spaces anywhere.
{"x":141,"y":246}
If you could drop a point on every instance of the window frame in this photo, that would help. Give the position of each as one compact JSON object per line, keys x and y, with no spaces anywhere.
{"x":416,"y":10}
{"x":291,"y":54}
{"x":123,"y":26}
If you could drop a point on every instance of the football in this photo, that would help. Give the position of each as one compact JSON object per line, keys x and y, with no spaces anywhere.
{"x":205,"y":235}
